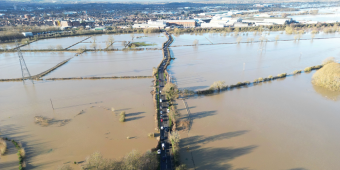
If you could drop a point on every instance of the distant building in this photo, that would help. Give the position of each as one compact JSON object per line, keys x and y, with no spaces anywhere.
{"x":151,"y":24}
{"x":263,"y":15}
{"x":240,"y":24}
{"x":27,"y":34}
{"x":267,"y":21}
{"x":183,"y":23}
{"x":28,"y":16}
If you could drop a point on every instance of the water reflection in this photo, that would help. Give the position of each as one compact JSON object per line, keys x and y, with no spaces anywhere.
{"x":333,"y":95}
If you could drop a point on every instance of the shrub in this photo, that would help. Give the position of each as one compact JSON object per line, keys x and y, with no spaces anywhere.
{"x":328,"y":60}
{"x":260,"y":79}
{"x":3,"y":146}
{"x":270,"y":77}
{"x":151,"y":135}
{"x":22,"y":152}
{"x":316,"y":67}
{"x":217,"y":85}
{"x":282,"y":75}
{"x":308,"y":69}
{"x":122,"y":116}
{"x":328,"y":77}
{"x":297,"y":72}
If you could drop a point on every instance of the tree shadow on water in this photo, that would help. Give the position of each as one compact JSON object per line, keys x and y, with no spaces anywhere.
{"x":217,"y":158}
{"x":133,"y":118}
{"x":199,"y":115}
{"x":214,"y":158}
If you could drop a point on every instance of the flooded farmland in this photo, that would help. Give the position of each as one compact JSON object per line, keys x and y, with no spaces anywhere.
{"x":284,"y":124}
{"x":216,"y":38}
{"x":105,"y":64}
{"x":36,"y":62}
{"x":82,"y":120}
{"x":198,"y":67}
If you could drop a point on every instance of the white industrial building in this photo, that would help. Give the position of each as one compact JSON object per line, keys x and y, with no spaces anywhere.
{"x":267,"y":21}
{"x":27,"y":34}
{"x":219,"y":22}
{"x":151,"y":24}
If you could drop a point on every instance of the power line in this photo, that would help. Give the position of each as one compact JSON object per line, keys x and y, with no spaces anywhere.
{"x":24,"y":70}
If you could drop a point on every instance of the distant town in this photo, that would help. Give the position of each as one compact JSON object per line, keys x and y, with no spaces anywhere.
{"x":172,"y":15}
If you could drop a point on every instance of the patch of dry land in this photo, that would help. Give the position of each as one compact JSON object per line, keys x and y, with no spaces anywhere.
{"x":283,"y":124}
{"x":81,"y":123}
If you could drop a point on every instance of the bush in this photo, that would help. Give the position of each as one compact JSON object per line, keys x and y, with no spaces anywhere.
{"x":3,"y":146}
{"x":308,"y":69}
{"x":122,"y":116}
{"x":151,"y":135}
{"x":282,"y":75}
{"x":217,"y":85}
{"x":260,"y":79}
{"x":328,"y":77}
{"x":270,"y":77}
{"x":297,"y":72}
{"x":328,"y":60}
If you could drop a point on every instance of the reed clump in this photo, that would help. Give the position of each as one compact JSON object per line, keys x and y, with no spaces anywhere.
{"x":308,"y":69}
{"x":282,"y":75}
{"x":296,"y":72}
{"x":151,"y":135}
{"x":3,"y":146}
{"x":42,"y":121}
{"x":328,"y":76}
{"x":122,"y":116}
{"x":328,"y":60}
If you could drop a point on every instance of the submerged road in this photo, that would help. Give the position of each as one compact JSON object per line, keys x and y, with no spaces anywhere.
{"x":164,"y":133}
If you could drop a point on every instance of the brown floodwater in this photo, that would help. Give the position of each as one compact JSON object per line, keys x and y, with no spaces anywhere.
{"x":198,"y":67}
{"x":283,"y":124}
{"x":113,"y":63}
{"x":72,"y":136}
{"x":213,"y":38}
{"x":36,"y":62}
{"x":53,"y":42}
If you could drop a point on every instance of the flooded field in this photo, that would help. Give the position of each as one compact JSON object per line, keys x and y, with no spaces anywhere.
{"x":155,"y":38}
{"x":53,"y":42}
{"x":320,"y":18}
{"x":36,"y":62}
{"x":198,"y":67}
{"x":213,"y":38}
{"x":105,"y":64}
{"x":284,"y":124}
{"x":81,"y":123}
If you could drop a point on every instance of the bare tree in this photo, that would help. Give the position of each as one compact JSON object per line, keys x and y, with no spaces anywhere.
{"x":109,"y":41}
{"x":132,"y":36}
{"x":239,"y":39}
{"x":94,"y":45}
{"x":94,"y":38}
{"x":277,"y":38}
{"x":59,"y":47}
{"x":195,"y":43}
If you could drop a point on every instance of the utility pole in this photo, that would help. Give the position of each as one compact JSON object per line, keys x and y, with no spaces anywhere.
{"x":24,"y":70}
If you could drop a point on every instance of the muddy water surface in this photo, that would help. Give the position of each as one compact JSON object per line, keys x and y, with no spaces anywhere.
{"x":53,"y":42}
{"x":213,"y":38}
{"x":36,"y":62}
{"x":198,"y":67}
{"x":82,"y":119}
{"x":105,"y":64}
{"x":283,"y":124}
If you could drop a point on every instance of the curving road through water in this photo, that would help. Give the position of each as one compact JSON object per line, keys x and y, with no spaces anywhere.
{"x":165,"y":154}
